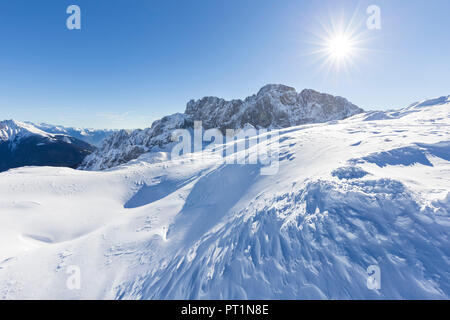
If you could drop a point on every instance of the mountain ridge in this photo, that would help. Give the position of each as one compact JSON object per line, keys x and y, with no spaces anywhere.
{"x":94,"y":137}
{"x":22,"y":144}
{"x":274,"y":106}
{"x":12,"y":129}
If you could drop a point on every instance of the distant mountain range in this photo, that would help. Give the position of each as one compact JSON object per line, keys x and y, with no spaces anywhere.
{"x":26,"y":144}
{"x":94,"y":137}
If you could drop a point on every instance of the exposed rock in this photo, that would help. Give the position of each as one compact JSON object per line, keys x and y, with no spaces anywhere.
{"x":275,"y":106}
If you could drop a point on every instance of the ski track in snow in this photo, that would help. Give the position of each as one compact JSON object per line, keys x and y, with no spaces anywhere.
{"x":369,"y":190}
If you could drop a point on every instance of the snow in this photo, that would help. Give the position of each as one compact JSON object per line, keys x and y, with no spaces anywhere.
{"x":12,"y":129}
{"x":94,"y":137}
{"x":274,"y":106}
{"x":348,"y":194}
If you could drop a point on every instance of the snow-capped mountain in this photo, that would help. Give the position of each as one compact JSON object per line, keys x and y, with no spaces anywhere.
{"x":370,"y":190}
{"x":127,"y":145}
{"x":22,"y":144}
{"x":275,"y":106}
{"x":94,"y":137}
{"x":11,"y":130}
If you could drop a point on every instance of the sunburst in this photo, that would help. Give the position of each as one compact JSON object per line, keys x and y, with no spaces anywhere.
{"x":338,"y":46}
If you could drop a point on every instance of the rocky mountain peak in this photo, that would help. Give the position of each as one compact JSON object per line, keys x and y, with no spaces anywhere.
{"x":274,"y":106}
{"x":275,"y":88}
{"x":12,"y":129}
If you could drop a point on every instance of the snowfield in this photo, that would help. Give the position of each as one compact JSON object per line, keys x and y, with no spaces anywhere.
{"x":373,"y":189}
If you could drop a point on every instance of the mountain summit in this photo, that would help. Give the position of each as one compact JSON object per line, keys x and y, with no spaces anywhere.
{"x":274,"y":106}
{"x":12,"y":129}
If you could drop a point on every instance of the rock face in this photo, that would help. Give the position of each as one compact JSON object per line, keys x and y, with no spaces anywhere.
{"x":275,"y":106}
{"x":22,"y":144}
{"x":126,"y":145}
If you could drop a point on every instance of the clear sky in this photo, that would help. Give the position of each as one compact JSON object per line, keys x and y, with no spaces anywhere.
{"x":134,"y":61}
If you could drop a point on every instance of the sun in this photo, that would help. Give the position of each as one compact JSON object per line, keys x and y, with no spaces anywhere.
{"x":340,"y":47}
{"x":339,"y":50}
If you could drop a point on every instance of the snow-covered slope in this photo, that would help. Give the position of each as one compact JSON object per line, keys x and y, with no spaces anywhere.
{"x":22,"y":144}
{"x":275,"y":106}
{"x":348,"y":195}
{"x":424,"y":105}
{"x":11,"y":130}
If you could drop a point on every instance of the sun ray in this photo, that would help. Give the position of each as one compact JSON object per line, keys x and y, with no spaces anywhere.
{"x":339,"y":44}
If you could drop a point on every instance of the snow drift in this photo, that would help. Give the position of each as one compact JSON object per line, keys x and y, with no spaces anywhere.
{"x":349,"y":194}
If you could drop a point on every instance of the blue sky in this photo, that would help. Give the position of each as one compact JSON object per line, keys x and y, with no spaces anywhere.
{"x":137,"y":60}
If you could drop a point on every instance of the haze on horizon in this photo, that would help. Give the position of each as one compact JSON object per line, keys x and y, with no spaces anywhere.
{"x":132,"y":63}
